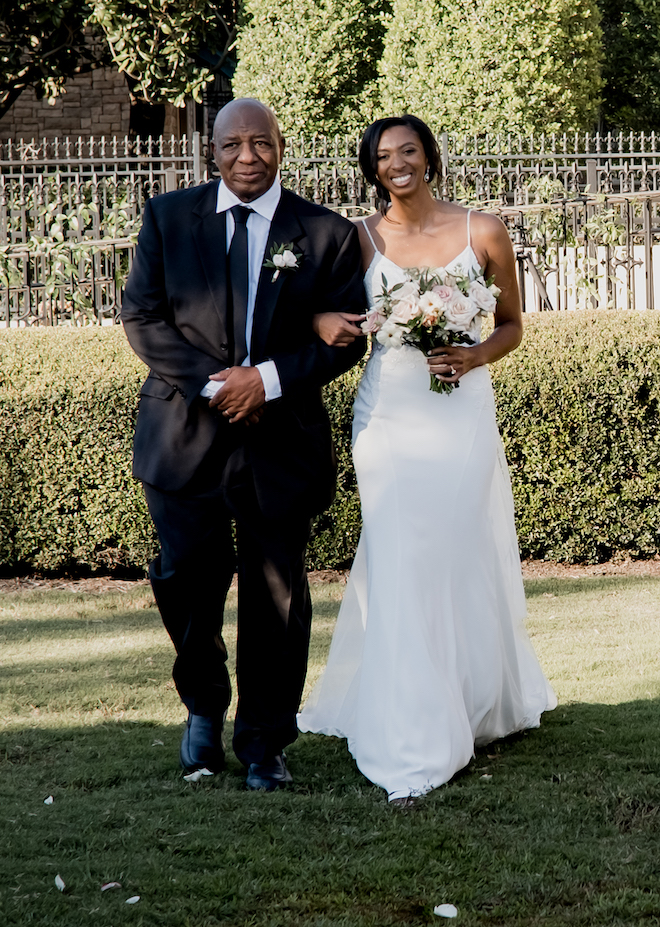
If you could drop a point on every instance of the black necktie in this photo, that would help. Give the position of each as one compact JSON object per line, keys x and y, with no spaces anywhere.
{"x":237,"y":264}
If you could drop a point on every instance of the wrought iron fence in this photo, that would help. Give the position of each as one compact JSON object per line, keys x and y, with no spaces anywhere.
{"x":588,"y":251}
{"x":582,"y":212}
{"x":506,"y":170}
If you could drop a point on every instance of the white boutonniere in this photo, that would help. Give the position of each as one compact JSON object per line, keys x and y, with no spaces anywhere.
{"x":282,"y":257}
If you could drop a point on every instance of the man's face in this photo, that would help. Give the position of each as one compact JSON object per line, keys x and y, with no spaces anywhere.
{"x":247,"y":149}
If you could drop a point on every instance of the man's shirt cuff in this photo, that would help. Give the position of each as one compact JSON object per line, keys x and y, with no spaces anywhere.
{"x":271,"y":379}
{"x":211,"y":388}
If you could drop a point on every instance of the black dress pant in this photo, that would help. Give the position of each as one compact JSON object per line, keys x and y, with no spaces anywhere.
{"x":190,"y":579}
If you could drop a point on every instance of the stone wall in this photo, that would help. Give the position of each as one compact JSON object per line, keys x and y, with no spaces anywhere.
{"x":97,"y":103}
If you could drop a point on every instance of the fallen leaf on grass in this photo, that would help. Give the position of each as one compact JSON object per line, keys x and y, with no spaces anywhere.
{"x":197,"y":775}
{"x":445,"y":910}
{"x":108,"y":885}
{"x":133,"y":900}
{"x":60,"y":883}
{"x":486,"y":776}
{"x":49,"y":800}
{"x":158,"y":743}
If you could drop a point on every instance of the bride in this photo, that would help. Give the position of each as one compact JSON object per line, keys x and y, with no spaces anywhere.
{"x":430,"y":654}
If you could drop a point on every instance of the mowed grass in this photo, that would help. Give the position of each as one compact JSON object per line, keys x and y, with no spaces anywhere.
{"x":558,"y":826}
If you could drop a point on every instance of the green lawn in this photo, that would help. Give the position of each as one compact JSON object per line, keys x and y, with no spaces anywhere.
{"x":565,"y":832}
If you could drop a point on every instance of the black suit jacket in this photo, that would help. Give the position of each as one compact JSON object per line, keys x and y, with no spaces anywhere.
{"x":175,"y":316}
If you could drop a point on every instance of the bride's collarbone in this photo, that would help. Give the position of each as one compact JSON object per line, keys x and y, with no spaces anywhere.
{"x":422,"y":259}
{"x":405,"y":254}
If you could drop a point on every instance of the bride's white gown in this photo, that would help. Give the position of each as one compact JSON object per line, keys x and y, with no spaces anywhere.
{"x":430,"y":654}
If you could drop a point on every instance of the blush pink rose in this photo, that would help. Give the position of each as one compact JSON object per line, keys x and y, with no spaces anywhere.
{"x":373,"y":322}
{"x":444,"y":292}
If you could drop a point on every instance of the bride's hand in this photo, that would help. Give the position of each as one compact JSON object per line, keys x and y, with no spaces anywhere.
{"x":451,"y":362}
{"x":338,"y":329}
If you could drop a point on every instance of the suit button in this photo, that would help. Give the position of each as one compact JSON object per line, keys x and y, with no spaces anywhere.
{"x":223,"y":346}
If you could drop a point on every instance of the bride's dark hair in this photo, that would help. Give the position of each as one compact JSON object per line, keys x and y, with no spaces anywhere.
{"x":369,"y":151}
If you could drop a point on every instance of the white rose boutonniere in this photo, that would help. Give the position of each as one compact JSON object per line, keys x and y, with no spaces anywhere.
{"x":282,"y":258}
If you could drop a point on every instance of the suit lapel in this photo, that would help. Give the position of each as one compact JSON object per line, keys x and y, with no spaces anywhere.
{"x":284,"y":229}
{"x":209,"y":232}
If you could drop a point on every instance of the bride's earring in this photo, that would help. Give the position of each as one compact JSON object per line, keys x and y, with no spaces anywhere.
{"x":427,"y":174}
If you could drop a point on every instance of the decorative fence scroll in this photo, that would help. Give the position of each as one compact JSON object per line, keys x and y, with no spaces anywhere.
{"x":582,"y":212}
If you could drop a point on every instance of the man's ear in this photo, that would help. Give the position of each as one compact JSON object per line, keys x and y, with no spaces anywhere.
{"x":281,"y":148}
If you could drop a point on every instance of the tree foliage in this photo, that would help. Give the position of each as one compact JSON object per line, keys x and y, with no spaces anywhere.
{"x":631,"y":72}
{"x":42,"y":44}
{"x":313,"y":61}
{"x":170,"y":50}
{"x":481,"y":66}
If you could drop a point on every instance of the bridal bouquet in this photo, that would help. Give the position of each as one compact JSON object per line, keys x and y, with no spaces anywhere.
{"x":429,"y":310}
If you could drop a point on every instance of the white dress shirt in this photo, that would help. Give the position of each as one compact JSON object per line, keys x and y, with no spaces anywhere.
{"x":258,"y":226}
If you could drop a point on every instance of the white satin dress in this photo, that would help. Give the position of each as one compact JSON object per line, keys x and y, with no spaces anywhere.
{"x":430,"y":654}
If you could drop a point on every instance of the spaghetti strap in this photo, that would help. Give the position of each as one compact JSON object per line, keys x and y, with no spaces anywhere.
{"x":469,"y":239}
{"x":373,"y":243}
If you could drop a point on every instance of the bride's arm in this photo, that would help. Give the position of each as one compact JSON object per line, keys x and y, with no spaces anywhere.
{"x":338,"y":329}
{"x":492,"y":246}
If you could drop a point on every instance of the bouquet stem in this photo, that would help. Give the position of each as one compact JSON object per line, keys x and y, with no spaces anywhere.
{"x":440,"y":386}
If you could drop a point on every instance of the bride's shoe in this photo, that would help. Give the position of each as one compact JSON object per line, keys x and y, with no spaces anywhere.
{"x":407,"y":803}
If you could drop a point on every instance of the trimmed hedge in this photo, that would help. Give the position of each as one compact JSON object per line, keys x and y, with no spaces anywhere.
{"x":578,"y":406}
{"x":67,"y":406}
{"x":579,"y":414}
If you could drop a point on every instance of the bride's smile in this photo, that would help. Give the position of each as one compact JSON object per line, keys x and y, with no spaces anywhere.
{"x":401,"y":160}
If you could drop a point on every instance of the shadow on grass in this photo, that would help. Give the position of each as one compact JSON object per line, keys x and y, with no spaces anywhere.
{"x":563,"y":830}
{"x":69,"y":627}
{"x":571,"y":739}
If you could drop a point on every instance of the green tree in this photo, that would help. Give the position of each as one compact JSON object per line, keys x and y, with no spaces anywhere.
{"x":631,"y":71}
{"x":171,"y":50}
{"x":479,"y":66}
{"x":313,"y":61}
{"x":41,"y":44}
{"x":168,"y":50}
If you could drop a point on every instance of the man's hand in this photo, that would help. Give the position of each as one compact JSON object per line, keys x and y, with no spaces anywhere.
{"x":242,"y":396}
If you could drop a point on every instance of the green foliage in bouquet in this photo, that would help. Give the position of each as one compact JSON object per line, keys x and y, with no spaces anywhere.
{"x":578,"y":407}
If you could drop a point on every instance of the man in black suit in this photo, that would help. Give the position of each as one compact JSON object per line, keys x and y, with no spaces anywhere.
{"x":219,"y":304}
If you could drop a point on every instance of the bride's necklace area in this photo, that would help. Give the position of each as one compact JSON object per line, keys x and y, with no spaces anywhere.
{"x":409,"y":256}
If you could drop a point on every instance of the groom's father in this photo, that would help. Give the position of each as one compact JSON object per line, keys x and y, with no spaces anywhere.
{"x":231,"y":428}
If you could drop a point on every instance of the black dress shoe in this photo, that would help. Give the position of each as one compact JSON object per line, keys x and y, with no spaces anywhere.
{"x":201,"y":746}
{"x":270,"y":775}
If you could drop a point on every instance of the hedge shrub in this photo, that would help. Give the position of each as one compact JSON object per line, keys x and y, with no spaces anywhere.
{"x":489,"y":66}
{"x":578,"y":405}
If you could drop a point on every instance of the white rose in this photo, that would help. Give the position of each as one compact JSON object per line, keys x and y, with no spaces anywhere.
{"x":409,"y":290}
{"x":459,"y":312}
{"x":286,"y":259}
{"x":405,"y":309}
{"x":482,"y":296}
{"x":391,"y":334}
{"x":404,"y":290}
